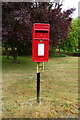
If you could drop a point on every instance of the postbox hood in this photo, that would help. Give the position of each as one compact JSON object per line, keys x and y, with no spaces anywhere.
{"x":41,"y":26}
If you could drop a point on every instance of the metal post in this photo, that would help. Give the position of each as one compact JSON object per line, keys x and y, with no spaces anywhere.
{"x":38,"y":87}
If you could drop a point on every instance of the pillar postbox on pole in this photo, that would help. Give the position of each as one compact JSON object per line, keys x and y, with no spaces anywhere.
{"x":40,"y":48}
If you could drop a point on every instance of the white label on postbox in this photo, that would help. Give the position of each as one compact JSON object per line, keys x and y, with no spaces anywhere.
{"x":40,"y":49}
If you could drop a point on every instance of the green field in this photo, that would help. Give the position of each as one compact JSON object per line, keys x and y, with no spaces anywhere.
{"x":59,"y":88}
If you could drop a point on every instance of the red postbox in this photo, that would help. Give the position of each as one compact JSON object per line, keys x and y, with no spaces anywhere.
{"x":40,"y":42}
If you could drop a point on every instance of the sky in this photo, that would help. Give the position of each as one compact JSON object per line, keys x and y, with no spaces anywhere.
{"x":70,"y":4}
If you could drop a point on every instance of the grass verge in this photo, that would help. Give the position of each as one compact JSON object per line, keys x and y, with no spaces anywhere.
{"x":59,"y":88}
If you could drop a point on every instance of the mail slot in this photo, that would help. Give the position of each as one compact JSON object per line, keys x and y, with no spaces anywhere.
{"x":40,"y":42}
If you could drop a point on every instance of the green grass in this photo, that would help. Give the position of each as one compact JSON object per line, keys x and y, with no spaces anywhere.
{"x":59,"y":88}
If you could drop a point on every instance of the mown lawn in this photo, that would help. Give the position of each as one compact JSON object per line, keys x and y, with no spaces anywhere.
{"x":59,"y":88}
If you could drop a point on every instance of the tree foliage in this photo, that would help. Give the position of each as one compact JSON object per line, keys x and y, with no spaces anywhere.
{"x":70,"y":44}
{"x":18,"y":19}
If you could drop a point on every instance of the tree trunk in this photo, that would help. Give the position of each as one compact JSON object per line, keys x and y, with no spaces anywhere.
{"x":7,"y":52}
{"x":15,"y":53}
{"x":14,"y":59}
{"x":59,"y":49}
{"x":52,"y":51}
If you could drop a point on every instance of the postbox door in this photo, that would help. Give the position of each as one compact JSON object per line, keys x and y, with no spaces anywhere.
{"x":40,"y":51}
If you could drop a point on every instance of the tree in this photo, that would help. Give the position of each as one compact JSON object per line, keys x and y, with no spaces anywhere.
{"x":16,"y":27}
{"x":79,"y":34}
{"x":70,"y":44}
{"x":18,"y":19}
